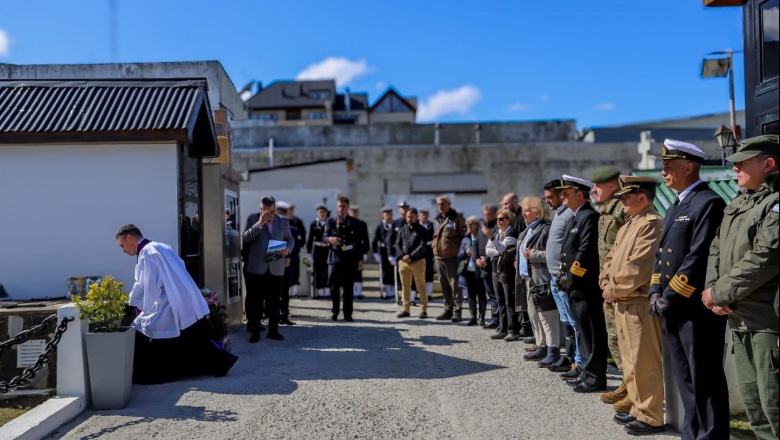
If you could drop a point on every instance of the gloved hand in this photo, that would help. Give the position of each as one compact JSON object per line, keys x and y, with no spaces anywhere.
{"x":392,"y":260}
{"x":365,"y":257}
{"x":564,"y":283}
{"x":310,"y":257}
{"x":377,"y":258}
{"x":659,"y":305}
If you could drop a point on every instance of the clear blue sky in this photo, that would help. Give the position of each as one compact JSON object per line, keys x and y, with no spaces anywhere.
{"x":599,"y":62}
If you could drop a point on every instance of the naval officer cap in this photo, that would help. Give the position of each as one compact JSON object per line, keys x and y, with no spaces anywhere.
{"x":282,"y":205}
{"x":355,"y":208}
{"x":673,"y":149}
{"x":632,"y":184}
{"x":402,"y":203}
{"x":387,"y":209}
{"x":752,"y":147}
{"x":319,"y":206}
{"x":604,"y":175}
{"x":574,"y":183}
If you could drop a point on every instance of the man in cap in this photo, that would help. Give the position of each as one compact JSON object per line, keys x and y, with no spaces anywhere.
{"x":344,"y":235}
{"x":625,"y":283}
{"x":264,"y":271}
{"x":425,"y":222}
{"x":693,"y":333}
{"x":382,"y":235}
{"x":446,"y":244}
{"x":742,"y":280}
{"x":579,"y":278}
{"x":605,"y":184}
{"x":292,"y":268}
{"x":318,"y":250}
{"x":365,"y":246}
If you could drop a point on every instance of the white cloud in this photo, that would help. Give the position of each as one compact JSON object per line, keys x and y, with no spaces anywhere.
{"x":340,"y":69}
{"x":544,"y":98}
{"x":519,"y":107}
{"x":445,"y":102}
{"x":5,"y":44}
{"x":605,"y":107}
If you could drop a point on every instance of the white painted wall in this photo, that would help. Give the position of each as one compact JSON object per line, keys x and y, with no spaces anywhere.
{"x":61,"y":206}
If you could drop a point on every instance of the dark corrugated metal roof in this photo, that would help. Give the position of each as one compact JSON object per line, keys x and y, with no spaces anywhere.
{"x":294,"y":94}
{"x":107,"y":110}
{"x":722,"y":180}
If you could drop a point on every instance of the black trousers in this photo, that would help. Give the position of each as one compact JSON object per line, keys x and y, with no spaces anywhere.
{"x":591,"y":333}
{"x":320,"y":265}
{"x":491,"y":294}
{"x":342,"y":285}
{"x":262,"y":295}
{"x":695,"y":338}
{"x":284,"y":295}
{"x":388,"y":270}
{"x":505,"y":294}
{"x":429,"y":270}
{"x":477,"y":296}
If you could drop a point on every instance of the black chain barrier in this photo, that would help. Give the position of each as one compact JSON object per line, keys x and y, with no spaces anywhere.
{"x":43,"y":358}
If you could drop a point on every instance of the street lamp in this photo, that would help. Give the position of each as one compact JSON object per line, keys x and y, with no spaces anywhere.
{"x":714,"y":66}
{"x":726,"y":140}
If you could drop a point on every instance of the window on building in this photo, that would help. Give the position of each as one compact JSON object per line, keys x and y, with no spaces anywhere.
{"x":316,"y":116}
{"x":293,"y":115}
{"x":319,"y":94}
{"x":265,"y":116}
{"x":770,"y":47}
{"x":392,"y":104}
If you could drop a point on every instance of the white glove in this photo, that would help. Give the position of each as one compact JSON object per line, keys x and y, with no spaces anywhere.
{"x":365,"y":257}
{"x":311,"y":257}
{"x":377,"y":258}
{"x":392,"y":260}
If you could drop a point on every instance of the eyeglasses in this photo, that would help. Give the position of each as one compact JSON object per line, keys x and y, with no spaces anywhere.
{"x":500,"y":219}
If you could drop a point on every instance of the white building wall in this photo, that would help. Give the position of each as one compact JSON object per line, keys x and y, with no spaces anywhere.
{"x":61,"y":206}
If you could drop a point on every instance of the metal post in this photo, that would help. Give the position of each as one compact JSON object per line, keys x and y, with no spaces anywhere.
{"x":732,"y":112}
{"x":271,"y":152}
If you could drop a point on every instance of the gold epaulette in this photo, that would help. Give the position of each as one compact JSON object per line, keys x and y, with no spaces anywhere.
{"x":655,"y":279}
{"x":651,"y":217}
{"x":577,"y":270}
{"x":680,"y":285}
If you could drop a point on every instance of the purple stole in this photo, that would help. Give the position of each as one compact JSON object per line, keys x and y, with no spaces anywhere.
{"x":141,"y":245}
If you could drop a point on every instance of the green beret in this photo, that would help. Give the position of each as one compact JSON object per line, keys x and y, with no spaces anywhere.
{"x":752,"y":147}
{"x":604,"y":175}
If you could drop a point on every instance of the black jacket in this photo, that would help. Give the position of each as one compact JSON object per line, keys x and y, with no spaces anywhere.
{"x":681,"y":260}
{"x":412,"y":241}
{"x":580,"y":253}
{"x":350,"y":234}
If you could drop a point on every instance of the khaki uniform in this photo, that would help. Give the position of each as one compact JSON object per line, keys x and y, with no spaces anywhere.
{"x":743,"y":271}
{"x":626,"y":275}
{"x":611,"y":220}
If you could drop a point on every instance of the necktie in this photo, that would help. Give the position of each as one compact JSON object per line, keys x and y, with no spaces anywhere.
{"x":676,"y":201}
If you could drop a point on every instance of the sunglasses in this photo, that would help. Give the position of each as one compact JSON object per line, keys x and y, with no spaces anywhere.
{"x":500,"y":219}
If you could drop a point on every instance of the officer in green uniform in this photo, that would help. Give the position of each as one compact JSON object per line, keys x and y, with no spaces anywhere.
{"x":742,"y":280}
{"x":612,"y":218}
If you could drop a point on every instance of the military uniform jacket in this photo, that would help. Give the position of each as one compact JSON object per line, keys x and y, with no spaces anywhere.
{"x":681,"y":258}
{"x":315,"y":237}
{"x":397,"y":225}
{"x":580,"y":252}
{"x":349,"y":232}
{"x":365,"y":243}
{"x":743,"y":262}
{"x":611,"y":220}
{"x":429,"y":230}
{"x":382,"y":235}
{"x":629,"y":265}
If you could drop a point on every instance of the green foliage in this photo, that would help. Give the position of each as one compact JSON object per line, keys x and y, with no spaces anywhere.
{"x":104,"y":305}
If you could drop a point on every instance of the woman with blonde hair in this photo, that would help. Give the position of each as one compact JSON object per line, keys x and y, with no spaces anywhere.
{"x":534,"y":277}
{"x":500,"y":248}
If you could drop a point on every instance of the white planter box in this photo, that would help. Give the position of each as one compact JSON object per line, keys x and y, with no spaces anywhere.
{"x":110,"y":362}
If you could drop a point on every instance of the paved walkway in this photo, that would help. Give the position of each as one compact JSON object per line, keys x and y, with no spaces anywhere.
{"x":376,"y":378}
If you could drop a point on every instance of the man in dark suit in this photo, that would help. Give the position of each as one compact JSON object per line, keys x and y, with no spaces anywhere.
{"x":694,"y":335}
{"x":345,"y":237}
{"x":263,"y":270}
{"x":579,"y":278}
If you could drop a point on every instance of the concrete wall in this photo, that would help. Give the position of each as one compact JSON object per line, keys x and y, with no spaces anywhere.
{"x":63,"y":204}
{"x":378,"y":170}
{"x":251,"y":134}
{"x":222,"y":91}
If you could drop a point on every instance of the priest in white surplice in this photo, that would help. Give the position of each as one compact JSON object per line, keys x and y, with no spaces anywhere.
{"x":173,"y":338}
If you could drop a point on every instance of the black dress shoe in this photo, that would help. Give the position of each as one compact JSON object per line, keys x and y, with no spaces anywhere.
{"x":573,"y":373}
{"x":275,"y":336}
{"x":638,"y":427}
{"x":403,"y":314}
{"x":491,"y":324}
{"x":286,"y":321}
{"x":456,"y":317}
{"x":623,"y":418}
{"x":334,"y":316}
{"x":499,"y":335}
{"x":349,"y":319}
{"x":562,"y":365}
{"x":576,"y":381}
{"x":423,"y":315}
{"x":591,"y":386}
{"x":255,"y":338}
{"x":444,"y":316}
{"x":472,"y":322}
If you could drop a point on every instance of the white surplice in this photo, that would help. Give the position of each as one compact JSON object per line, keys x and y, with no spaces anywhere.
{"x":168,"y":298}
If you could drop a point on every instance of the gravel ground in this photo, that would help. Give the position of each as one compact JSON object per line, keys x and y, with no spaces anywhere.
{"x":376,"y":378}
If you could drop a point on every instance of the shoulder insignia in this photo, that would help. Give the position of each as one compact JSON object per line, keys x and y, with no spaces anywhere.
{"x":776,"y":208}
{"x":651,"y":217}
{"x":655,"y":279}
{"x":577,"y":270}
